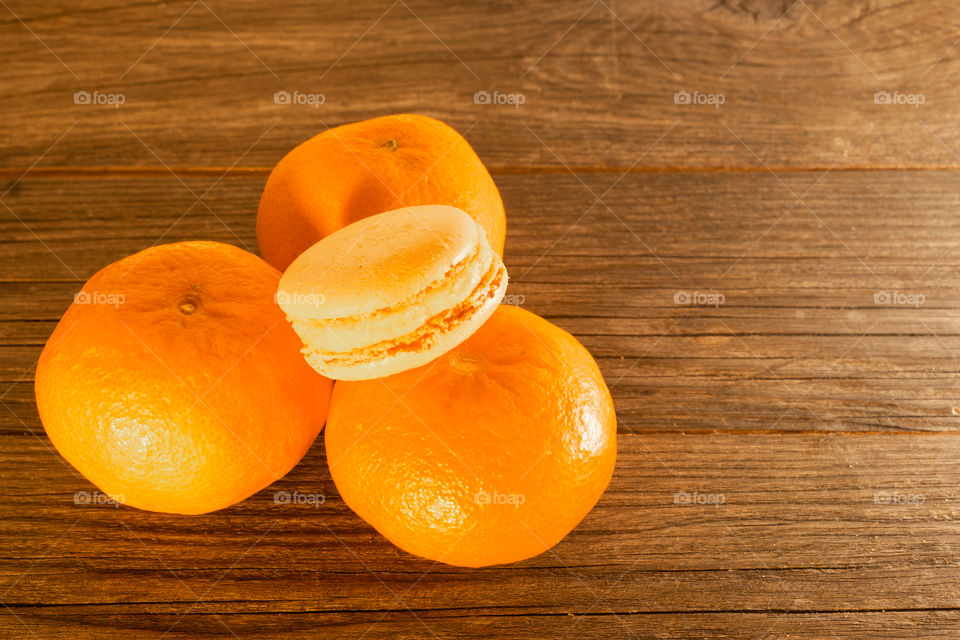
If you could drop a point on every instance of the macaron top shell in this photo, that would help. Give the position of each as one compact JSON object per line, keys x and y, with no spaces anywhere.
{"x":378,"y":262}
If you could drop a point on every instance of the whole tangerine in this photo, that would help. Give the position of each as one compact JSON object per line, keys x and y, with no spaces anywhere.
{"x":173,"y":382}
{"x":349,"y":172}
{"x":490,"y":454}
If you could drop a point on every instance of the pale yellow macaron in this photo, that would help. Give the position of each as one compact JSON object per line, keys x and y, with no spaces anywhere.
{"x":392,"y":292}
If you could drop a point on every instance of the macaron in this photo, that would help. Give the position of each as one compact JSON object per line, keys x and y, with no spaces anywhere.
{"x":392,"y":292}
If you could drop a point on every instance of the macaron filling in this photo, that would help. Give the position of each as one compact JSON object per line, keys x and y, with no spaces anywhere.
{"x":426,"y":335}
{"x":362,"y":330}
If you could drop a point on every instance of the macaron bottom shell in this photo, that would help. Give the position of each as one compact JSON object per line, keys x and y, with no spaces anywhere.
{"x":436,"y":336}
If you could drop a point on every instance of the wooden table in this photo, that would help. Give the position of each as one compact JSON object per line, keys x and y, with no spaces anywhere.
{"x":787,"y":452}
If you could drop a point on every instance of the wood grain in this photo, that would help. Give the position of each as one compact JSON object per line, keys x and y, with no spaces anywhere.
{"x":798,"y":343}
{"x":406,"y":625}
{"x":819,"y":422}
{"x":598,"y":80}
{"x":803,"y":522}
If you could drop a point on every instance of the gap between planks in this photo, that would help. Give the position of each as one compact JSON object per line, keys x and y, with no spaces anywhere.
{"x":487,"y":612}
{"x":80,"y":172}
{"x":19,"y":432}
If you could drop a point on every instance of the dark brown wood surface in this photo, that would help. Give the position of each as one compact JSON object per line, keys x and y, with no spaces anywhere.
{"x":823,"y":421}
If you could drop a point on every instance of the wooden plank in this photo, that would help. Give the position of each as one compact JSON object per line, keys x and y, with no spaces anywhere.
{"x":598,"y":81}
{"x":861,"y":228}
{"x":798,"y":343}
{"x":405,"y":625}
{"x":816,"y":530}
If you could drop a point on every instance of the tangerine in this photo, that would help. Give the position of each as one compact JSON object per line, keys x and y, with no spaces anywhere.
{"x":174,"y":383}
{"x":357,"y":170}
{"x":490,"y":454}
